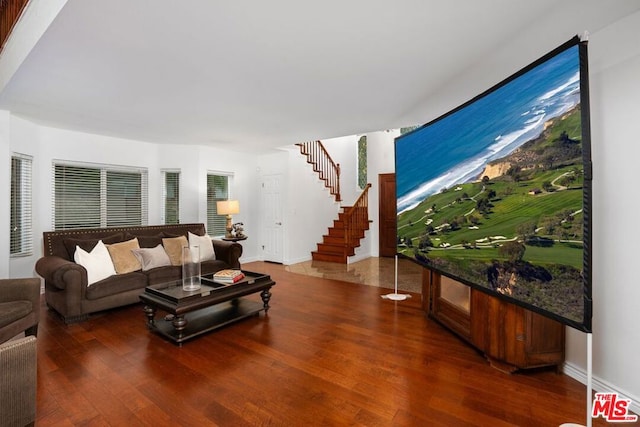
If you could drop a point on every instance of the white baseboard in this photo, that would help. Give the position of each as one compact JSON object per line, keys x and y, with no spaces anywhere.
{"x":600,"y":385}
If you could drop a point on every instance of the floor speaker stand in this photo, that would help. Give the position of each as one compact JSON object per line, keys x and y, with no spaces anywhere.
{"x":395,"y":296}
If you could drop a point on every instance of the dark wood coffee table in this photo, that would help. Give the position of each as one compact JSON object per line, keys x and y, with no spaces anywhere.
{"x":211,"y":307}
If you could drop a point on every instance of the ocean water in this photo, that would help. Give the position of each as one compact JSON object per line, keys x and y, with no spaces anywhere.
{"x":455,"y":148}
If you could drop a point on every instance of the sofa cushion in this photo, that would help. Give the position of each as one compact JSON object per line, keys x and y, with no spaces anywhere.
{"x":204,"y":244}
{"x":173,"y":246}
{"x":70,"y":243}
{"x":97,"y":262}
{"x":152,"y":257}
{"x":116,"y":284}
{"x":146,"y":241}
{"x":169,"y":273}
{"x":122,"y":256}
{"x":14,"y":310}
{"x":211,"y":266}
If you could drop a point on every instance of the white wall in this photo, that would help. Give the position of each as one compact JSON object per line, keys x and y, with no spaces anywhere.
{"x":46,"y":144}
{"x":614,"y":56}
{"x":5,"y":190}
{"x":309,"y":208}
{"x":380,"y":159}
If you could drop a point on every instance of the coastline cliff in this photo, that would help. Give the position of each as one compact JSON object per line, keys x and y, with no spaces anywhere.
{"x":552,"y":148}
{"x":494,"y":170}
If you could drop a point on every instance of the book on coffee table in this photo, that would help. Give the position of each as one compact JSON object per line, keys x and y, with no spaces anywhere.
{"x":228,"y":276}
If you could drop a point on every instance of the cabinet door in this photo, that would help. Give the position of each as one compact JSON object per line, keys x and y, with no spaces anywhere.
{"x":448,"y":303}
{"x":497,"y":328}
{"x":511,"y":335}
{"x":544,"y":340}
{"x":388,"y":243}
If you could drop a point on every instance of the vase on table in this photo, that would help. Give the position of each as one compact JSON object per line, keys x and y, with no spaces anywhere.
{"x":190,"y":268}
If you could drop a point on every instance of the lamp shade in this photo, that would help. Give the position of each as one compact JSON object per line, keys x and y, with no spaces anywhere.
{"x":227,"y":207}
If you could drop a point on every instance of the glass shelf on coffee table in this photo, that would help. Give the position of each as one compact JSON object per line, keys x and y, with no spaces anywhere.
{"x":214,"y":305}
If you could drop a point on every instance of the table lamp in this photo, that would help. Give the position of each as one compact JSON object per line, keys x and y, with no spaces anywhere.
{"x":228,"y":208}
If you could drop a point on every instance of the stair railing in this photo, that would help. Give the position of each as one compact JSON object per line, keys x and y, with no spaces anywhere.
{"x":356,"y":219}
{"x":10,"y":11}
{"x":328,"y":170}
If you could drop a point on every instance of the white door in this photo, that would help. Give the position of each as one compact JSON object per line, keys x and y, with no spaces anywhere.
{"x":272,"y":218}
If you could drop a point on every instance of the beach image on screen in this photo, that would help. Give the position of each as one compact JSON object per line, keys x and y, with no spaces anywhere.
{"x":492,"y":193}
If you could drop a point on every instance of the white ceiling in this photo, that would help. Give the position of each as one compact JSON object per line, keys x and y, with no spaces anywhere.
{"x":249,"y":75}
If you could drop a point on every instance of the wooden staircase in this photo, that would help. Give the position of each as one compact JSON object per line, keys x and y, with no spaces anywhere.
{"x":344,"y":236}
{"x":328,"y":170}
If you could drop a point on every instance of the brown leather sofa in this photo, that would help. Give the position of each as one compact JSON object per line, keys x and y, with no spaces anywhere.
{"x":66,"y":284}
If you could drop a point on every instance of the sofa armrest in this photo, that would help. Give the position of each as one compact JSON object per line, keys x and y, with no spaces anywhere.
{"x":27,"y":289}
{"x":58,"y":271}
{"x":19,"y":381}
{"x":229,"y":252}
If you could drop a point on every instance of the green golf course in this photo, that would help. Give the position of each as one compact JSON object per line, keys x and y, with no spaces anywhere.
{"x":519,"y":232}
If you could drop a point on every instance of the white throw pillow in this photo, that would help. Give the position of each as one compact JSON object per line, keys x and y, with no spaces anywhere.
{"x":205,"y":244}
{"x":97,"y":262}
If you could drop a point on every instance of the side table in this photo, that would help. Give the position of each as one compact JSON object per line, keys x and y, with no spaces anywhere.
{"x":234,"y":239}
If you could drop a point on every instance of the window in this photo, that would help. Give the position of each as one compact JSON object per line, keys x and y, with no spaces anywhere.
{"x":362,"y":162}
{"x":170,"y":197}
{"x":87,"y":196}
{"x":21,"y":235}
{"x":217,"y":189}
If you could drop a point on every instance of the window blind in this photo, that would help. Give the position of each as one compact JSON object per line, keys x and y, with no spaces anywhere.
{"x":88,"y":196}
{"x":217,"y":189}
{"x":21,"y":233}
{"x":124,"y":199}
{"x":170,"y":197}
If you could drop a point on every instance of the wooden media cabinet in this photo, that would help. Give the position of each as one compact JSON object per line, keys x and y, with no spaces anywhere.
{"x":510,"y":336}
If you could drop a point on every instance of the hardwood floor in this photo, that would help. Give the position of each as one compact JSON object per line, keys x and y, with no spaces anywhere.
{"x":327,"y":353}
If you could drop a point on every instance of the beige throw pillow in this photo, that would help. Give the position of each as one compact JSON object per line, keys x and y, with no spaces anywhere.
{"x":123,"y":259}
{"x":173,"y":246}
